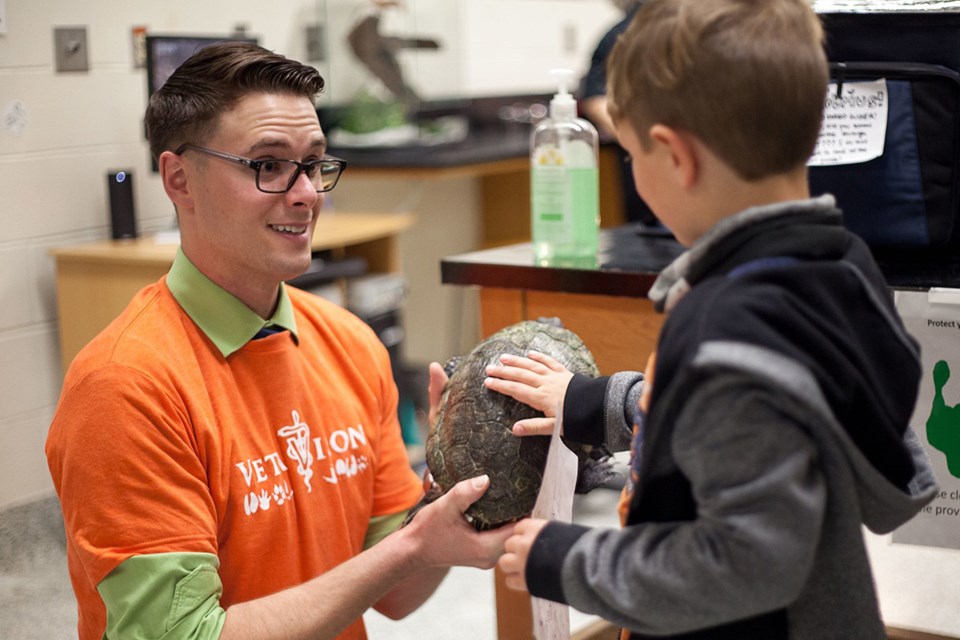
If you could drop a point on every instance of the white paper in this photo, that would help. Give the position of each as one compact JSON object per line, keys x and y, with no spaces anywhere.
{"x":942,"y":295}
{"x":551,"y":620}
{"x":933,"y":318}
{"x":883,"y":6}
{"x":854,"y":124}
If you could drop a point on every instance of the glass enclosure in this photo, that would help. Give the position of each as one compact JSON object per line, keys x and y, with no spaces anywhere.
{"x":401,"y":71}
{"x":403,"y":51}
{"x":388,"y":63}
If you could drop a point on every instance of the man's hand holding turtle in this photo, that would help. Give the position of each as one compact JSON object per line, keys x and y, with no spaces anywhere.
{"x":446,"y":537}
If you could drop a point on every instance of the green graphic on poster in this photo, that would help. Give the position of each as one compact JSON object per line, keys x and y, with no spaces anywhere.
{"x":943,"y":425}
{"x":933,"y":319}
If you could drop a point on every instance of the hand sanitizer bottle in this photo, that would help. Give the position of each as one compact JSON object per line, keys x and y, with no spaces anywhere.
{"x":564,"y":185}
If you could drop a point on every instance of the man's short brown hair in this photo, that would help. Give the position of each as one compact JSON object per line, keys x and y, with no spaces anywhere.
{"x":747,"y":77}
{"x":187,"y":107}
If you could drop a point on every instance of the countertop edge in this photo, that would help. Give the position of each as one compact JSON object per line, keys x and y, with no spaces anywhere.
{"x":532,"y":278}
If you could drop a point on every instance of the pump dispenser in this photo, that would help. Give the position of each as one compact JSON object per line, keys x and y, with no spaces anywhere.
{"x":564,"y":184}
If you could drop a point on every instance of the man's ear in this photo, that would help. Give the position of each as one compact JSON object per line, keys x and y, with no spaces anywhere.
{"x":682,"y":152}
{"x":173,"y":173}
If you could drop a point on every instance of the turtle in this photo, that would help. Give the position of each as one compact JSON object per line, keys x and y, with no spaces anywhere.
{"x":472,"y":433}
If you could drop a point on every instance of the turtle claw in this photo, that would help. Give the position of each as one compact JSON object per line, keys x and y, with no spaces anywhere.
{"x":431,"y":491}
{"x":598,"y":468}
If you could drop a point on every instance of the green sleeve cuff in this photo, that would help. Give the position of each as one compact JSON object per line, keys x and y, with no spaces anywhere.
{"x":382,"y":526}
{"x":176,"y":596}
{"x":168,"y":596}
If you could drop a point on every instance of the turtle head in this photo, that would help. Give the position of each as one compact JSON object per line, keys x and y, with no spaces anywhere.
{"x":553,"y":321}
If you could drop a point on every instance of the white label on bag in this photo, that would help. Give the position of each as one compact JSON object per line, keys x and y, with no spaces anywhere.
{"x":854,"y":124}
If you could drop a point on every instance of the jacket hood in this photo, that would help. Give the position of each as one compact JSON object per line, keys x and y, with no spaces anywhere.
{"x":884,"y":504}
{"x":788,"y":284}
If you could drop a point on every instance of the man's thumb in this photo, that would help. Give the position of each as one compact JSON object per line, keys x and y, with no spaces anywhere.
{"x":468,"y":491}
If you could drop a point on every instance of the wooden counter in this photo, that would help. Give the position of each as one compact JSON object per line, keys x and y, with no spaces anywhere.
{"x":607,"y":305}
{"x":95,"y":281}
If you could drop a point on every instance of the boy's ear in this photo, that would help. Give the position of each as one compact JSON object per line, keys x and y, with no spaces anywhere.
{"x":173,"y":173}
{"x":682,"y":152}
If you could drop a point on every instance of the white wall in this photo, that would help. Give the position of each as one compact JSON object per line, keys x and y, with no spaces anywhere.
{"x":53,"y":161}
{"x":76,"y":126}
{"x":509,"y":46}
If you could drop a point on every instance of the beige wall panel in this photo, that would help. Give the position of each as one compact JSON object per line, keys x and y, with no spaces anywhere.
{"x":30,"y":371}
{"x":543,"y":34}
{"x":25,"y":474}
{"x":15,"y":296}
{"x":67,"y":112}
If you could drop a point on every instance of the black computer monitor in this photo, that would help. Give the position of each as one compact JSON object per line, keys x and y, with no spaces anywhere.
{"x":167,"y":52}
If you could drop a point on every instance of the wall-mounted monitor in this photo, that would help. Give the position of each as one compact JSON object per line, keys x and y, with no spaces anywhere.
{"x":167,"y":52}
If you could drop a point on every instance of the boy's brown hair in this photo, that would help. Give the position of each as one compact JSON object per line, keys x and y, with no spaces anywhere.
{"x":747,"y":77}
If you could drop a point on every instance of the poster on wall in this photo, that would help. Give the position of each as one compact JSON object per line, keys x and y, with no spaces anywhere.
{"x":933,"y":318}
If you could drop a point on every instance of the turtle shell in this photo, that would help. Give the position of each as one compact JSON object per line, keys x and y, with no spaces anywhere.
{"x":472,"y":433}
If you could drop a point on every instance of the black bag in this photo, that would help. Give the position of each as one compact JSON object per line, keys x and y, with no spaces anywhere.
{"x":908,"y":198}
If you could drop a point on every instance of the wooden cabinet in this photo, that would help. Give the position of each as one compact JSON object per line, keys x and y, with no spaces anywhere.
{"x":620,"y":332}
{"x":95,"y":281}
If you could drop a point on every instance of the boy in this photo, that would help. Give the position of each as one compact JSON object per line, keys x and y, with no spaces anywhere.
{"x":775,"y":423}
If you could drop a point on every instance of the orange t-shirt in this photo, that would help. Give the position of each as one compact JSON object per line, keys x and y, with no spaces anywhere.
{"x":273,"y":459}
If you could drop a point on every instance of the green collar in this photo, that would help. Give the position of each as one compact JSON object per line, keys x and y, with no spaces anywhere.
{"x":229,"y":323}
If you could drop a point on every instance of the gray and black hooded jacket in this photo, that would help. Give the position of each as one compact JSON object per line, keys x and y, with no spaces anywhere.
{"x":778,"y":426}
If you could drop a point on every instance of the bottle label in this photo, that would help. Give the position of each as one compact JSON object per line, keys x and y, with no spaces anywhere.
{"x":549,"y":194}
{"x":565,"y":200}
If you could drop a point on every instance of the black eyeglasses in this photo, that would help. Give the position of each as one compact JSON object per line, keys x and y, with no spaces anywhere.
{"x":279,"y":176}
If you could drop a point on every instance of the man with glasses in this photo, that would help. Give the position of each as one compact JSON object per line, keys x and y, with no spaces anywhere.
{"x":227,"y":452}
{"x":278,"y":176}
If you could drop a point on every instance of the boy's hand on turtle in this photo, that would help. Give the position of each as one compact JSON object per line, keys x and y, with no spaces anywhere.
{"x":534,"y":427}
{"x":536,"y":380}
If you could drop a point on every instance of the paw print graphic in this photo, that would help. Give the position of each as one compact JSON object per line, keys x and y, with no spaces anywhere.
{"x":264,"y":499}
